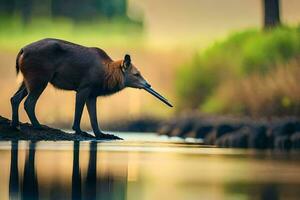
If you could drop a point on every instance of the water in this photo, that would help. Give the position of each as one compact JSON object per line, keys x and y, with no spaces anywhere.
{"x":146,"y":167}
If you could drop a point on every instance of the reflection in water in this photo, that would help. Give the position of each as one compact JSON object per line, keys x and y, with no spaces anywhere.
{"x":30,"y":185}
{"x":267,"y":191}
{"x":14,"y":172}
{"x":119,"y":171}
{"x":76,"y":175}
{"x":270,"y":192}
{"x":90,"y":182}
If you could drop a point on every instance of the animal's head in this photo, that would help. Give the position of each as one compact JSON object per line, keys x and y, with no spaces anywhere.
{"x":134,"y":79}
{"x":132,"y":76}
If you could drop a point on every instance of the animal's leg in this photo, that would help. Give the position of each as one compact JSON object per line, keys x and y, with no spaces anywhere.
{"x":30,"y":104}
{"x":81,"y":97}
{"x":15,"y":102}
{"x":92,"y":109}
{"x":91,"y":104}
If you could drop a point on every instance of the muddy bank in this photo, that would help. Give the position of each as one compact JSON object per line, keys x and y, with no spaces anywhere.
{"x":237,"y":132}
{"x":26,"y":132}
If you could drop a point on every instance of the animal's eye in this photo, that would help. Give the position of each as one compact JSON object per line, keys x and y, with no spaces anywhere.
{"x":136,"y":74}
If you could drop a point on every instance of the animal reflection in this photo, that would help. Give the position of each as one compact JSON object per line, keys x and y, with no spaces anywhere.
{"x":91,"y":178}
{"x":29,"y":185}
{"x":76,"y":174}
{"x":30,"y":182}
{"x":14,"y":172}
{"x":93,"y":186}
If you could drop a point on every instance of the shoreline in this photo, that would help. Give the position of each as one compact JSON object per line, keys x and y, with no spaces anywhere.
{"x":236,"y":132}
{"x":27,"y":132}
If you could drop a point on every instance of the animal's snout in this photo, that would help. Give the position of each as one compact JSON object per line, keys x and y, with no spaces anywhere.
{"x":147,"y":85}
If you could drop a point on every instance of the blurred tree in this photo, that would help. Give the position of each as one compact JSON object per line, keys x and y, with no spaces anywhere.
{"x":6,"y":7}
{"x":271,"y":13}
{"x":17,"y":7}
{"x":23,"y":8}
{"x":77,"y":10}
{"x":90,"y":9}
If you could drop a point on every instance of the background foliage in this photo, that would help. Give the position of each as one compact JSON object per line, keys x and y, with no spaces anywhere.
{"x":228,"y":63}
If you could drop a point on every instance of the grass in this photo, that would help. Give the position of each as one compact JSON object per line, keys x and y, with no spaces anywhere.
{"x":276,"y":93}
{"x":216,"y":70}
{"x":14,"y":34}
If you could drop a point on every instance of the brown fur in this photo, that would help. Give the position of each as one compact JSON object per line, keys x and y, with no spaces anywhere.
{"x":114,"y":76}
{"x":68,"y":66}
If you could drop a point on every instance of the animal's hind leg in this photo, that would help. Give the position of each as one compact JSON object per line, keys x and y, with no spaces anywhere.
{"x":30,"y":103}
{"x":15,"y":102}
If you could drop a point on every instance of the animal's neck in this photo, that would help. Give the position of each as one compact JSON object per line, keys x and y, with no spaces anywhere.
{"x":114,"y":79}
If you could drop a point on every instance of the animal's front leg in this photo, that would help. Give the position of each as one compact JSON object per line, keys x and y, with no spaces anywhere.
{"x":91,"y":104}
{"x":81,"y":97}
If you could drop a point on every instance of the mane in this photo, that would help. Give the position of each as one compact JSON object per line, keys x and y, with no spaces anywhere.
{"x":114,"y":78}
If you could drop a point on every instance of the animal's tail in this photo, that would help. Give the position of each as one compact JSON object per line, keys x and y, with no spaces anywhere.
{"x":17,"y":61}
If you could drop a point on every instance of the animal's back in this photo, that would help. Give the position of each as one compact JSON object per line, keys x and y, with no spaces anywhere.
{"x":62,"y":63}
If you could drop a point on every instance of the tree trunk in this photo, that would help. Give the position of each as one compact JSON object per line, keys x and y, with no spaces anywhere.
{"x":271,"y":13}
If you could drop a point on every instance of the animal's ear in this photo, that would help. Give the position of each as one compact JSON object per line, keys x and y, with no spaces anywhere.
{"x":126,"y":62}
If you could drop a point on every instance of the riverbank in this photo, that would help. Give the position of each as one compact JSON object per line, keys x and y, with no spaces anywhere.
{"x":220,"y":131}
{"x":236,"y":132}
{"x":27,"y":132}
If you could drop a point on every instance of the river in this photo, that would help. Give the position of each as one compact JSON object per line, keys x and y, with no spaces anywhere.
{"x":145,"y":167}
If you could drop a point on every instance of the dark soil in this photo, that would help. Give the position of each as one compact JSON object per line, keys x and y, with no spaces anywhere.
{"x":26,"y":132}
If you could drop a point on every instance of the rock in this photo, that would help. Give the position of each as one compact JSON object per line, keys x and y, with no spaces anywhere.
{"x":203,"y":130}
{"x":295,"y":140}
{"x":281,"y":132}
{"x":282,"y":142}
{"x":225,"y":128}
{"x":210,"y":138}
{"x":223,"y":141}
{"x":168,"y":127}
{"x":237,"y":139}
{"x":183,"y":127}
{"x":258,"y":137}
{"x":200,"y":129}
{"x":285,"y":127}
{"x":218,"y":132}
{"x":27,"y":132}
{"x":241,"y":132}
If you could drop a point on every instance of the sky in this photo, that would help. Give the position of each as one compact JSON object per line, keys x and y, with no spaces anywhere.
{"x":180,"y":21}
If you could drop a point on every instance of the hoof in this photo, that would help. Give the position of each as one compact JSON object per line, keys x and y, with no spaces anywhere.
{"x":107,"y":136}
{"x":15,"y":126}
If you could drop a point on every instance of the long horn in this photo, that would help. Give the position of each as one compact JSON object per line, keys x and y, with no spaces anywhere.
{"x":157,"y":95}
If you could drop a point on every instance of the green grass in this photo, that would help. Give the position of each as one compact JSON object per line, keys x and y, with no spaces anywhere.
{"x":275,"y":93}
{"x":238,"y":56}
{"x":118,"y":32}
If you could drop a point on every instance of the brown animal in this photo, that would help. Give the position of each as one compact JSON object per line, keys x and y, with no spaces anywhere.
{"x":87,"y":70}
